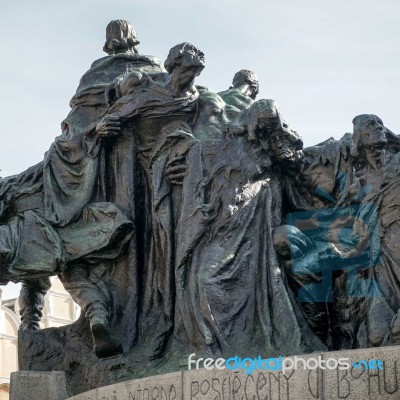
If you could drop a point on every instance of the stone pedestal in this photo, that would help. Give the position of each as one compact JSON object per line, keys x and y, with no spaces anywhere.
{"x":33,"y":385}
{"x":323,"y":384}
{"x":355,"y":383}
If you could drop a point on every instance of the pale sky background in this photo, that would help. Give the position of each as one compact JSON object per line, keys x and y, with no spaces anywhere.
{"x":323,"y":61}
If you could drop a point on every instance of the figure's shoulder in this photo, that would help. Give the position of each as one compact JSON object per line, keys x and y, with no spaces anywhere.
{"x":139,"y":59}
{"x":99,"y":61}
{"x":392,"y":162}
{"x":147,"y":59}
{"x":231,"y":92}
{"x":236,"y":98}
{"x":228,"y":92}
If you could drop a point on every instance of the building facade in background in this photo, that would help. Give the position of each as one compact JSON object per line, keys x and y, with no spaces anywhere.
{"x":59,"y":310}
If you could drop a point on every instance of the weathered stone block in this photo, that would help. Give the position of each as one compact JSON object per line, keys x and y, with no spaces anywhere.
{"x":161,"y":387}
{"x":322,"y":384}
{"x":35,"y":385}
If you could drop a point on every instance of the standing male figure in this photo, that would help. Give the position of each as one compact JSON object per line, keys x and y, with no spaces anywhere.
{"x":147,"y":165}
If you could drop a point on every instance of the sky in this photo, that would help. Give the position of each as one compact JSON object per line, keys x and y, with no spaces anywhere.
{"x":323,"y":61}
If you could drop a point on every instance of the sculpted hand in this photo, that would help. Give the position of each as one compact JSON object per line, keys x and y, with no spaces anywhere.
{"x":176,"y":170}
{"x":109,"y":127}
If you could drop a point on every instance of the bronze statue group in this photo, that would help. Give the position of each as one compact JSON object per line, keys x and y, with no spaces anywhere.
{"x":183,"y":220}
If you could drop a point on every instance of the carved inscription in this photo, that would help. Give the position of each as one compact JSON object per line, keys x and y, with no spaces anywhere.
{"x":257,"y":386}
{"x":168,"y":392}
{"x":156,"y":393}
{"x":369,"y":384}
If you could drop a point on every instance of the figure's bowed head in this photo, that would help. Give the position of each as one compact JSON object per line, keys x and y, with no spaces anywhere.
{"x":261,"y":119}
{"x":265,"y":125}
{"x":285,"y":145}
{"x":246,"y":82}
